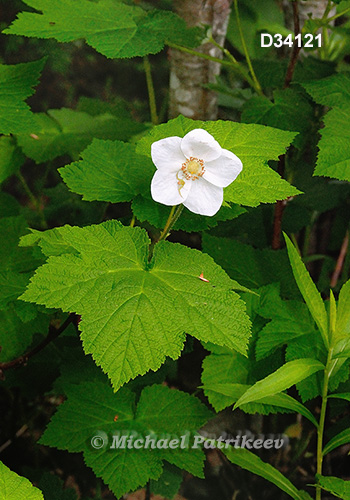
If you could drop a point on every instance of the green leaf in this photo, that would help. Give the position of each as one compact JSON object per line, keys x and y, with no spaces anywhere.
{"x":112,"y":28}
{"x":282,"y":401}
{"x":308,"y":346}
{"x":249,"y":461}
{"x":289,"y":374}
{"x":338,"y":440}
{"x":11,"y":158}
{"x":90,"y":410}
{"x":169,"y":482}
{"x":343,"y":313}
{"x":289,"y":111}
{"x":308,"y":290}
{"x":16,"y":84}
{"x":109,"y":171}
{"x":145,"y":209}
{"x":65,"y":131}
{"x":253,"y":144}
{"x":334,"y":155}
{"x":134,"y":314}
{"x":223,"y":366}
{"x":340,"y":395}
{"x":338,"y":487}
{"x":331,"y":91}
{"x":15,"y":487}
{"x":250,"y":266}
{"x":289,"y":320}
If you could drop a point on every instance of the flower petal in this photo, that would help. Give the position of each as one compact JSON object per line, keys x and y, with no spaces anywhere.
{"x":224,"y":170}
{"x":167,"y":155}
{"x":200,"y":144}
{"x":165,"y":188}
{"x":204,"y":198}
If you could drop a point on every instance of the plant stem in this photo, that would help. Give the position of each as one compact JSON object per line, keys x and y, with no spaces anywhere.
{"x":327,"y":372}
{"x":340,"y":261}
{"x":132,"y":222}
{"x":173,"y":216}
{"x":333,"y":18}
{"x":52,"y":335}
{"x":150,"y":88}
{"x":327,"y":10}
{"x":33,"y":199}
{"x":235,"y":63}
{"x":296,"y":49}
{"x":257,"y":85}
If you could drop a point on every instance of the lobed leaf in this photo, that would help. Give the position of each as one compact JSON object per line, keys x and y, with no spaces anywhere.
{"x":90,"y":411}
{"x":16,"y":85}
{"x":134,"y":314}
{"x":15,"y":487}
{"x":114,"y":29}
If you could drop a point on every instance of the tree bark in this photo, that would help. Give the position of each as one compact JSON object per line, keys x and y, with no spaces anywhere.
{"x":314,"y":7}
{"x":189,"y":73}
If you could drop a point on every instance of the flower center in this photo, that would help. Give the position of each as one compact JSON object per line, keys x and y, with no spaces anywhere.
{"x":193,"y":168}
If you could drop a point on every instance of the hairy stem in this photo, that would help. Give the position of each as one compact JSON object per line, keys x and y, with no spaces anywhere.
{"x":151,"y":93}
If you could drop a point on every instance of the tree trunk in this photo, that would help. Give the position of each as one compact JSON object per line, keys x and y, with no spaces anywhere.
{"x":314,"y":7}
{"x":189,"y":73}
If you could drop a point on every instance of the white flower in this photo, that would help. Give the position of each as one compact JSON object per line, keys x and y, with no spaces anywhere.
{"x":193,"y":170}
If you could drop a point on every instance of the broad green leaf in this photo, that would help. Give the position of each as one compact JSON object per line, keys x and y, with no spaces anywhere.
{"x":289,"y":320}
{"x":343,"y":313}
{"x":17,"y":325}
{"x":289,"y":374}
{"x":249,"y":461}
{"x":254,"y":144}
{"x":11,"y":158}
{"x":338,"y":487}
{"x":334,"y":155}
{"x":109,"y":171}
{"x":289,"y":111}
{"x":331,"y":91}
{"x":135,"y":313}
{"x":145,"y":209}
{"x":112,"y":28}
{"x":250,"y":266}
{"x":16,"y":85}
{"x":90,"y":410}
{"x":16,"y":335}
{"x":338,"y":440}
{"x":223,"y":366}
{"x":308,"y":290}
{"x":15,"y":487}
{"x":65,"y":131}
{"x":310,"y":346}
